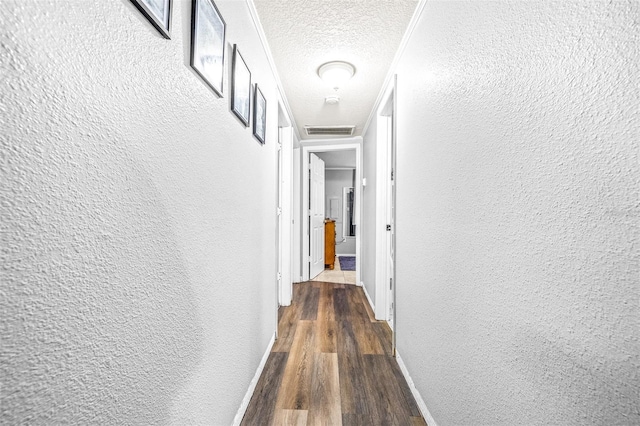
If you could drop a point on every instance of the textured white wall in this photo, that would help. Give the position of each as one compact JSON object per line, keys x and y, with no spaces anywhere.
{"x":137,"y":220}
{"x":518,"y":212}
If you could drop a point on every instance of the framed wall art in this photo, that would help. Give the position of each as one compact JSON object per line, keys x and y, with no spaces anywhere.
{"x":158,"y":12}
{"x":207,"y":43}
{"x":259,"y":115}
{"x":240,"y":87}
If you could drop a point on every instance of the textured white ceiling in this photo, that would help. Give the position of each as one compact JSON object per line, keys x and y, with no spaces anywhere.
{"x":304,"y":34}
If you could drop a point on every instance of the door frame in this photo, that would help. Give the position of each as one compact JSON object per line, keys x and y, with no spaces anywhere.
{"x":296,"y":220}
{"x":328,"y":145}
{"x":386,"y":140}
{"x":283,"y":214}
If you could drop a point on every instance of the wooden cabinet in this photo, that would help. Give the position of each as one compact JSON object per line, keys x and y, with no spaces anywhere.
{"x":329,"y":243}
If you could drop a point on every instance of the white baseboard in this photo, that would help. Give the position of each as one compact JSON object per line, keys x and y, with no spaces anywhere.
{"x":254,"y":382}
{"x":422,"y":406}
{"x":373,"y":308}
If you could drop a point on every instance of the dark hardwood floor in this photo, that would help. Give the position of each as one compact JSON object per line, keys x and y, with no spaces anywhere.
{"x":331,"y":365}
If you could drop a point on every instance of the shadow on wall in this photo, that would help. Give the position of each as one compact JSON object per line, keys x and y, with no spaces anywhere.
{"x":99,"y":322}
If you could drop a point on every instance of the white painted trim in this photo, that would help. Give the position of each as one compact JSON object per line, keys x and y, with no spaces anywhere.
{"x":296,"y":211}
{"x":324,"y":145}
{"x":285,"y":237}
{"x":380,"y":221}
{"x":278,"y":249}
{"x":368,"y":297}
{"x":422,"y":406}
{"x":254,"y":382}
{"x":346,"y":254}
{"x":267,"y":51}
{"x":417,"y":14}
{"x":382,"y":178}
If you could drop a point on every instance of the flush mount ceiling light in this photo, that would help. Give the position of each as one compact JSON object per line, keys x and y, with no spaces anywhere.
{"x":336,"y":73}
{"x":332,"y":100}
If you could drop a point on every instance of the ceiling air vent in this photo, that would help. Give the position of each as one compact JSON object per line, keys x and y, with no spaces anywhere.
{"x":330,"y":130}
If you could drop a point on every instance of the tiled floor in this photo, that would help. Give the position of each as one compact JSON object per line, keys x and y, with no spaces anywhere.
{"x":337,"y":275}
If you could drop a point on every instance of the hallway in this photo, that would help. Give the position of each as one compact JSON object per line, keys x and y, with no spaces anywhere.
{"x":331,"y":364}
{"x":154,"y":212}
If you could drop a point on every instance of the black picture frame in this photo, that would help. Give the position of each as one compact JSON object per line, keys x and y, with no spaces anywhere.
{"x":259,"y":115}
{"x":158,"y":12}
{"x":240,"y":87}
{"x":208,"y":32}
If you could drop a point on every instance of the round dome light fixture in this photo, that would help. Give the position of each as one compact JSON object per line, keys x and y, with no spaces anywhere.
{"x":332,"y":100}
{"x":336,"y":73}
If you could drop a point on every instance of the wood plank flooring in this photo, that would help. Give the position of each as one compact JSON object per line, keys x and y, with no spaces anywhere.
{"x":331,"y":365}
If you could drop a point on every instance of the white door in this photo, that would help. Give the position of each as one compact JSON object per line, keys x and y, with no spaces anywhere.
{"x":316,"y":215}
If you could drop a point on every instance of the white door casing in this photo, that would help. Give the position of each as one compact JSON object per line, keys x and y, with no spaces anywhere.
{"x":297,"y":209}
{"x":385,"y":308}
{"x":316,"y":215}
{"x":391,"y":219}
{"x":284,"y":249}
{"x":307,"y":148}
{"x":285,"y":215}
{"x":279,"y":219}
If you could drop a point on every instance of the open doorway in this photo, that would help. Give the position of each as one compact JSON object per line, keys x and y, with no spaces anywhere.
{"x":339,"y":217}
{"x":341,"y":198}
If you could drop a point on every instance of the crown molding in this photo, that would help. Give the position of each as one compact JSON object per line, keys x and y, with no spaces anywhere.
{"x":417,"y":14}
{"x":267,"y":50}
